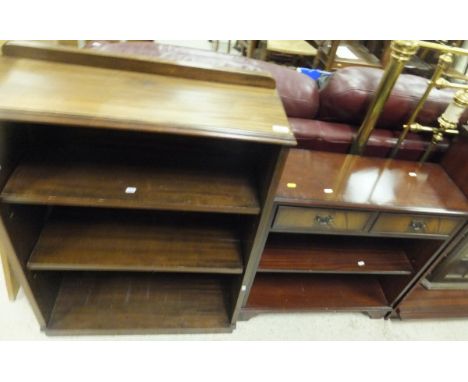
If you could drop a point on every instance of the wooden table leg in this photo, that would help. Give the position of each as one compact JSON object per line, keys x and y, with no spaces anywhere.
{"x":10,"y":280}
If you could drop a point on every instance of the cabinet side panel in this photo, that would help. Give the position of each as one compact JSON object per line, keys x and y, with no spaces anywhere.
{"x":20,"y":226}
{"x":268,"y":183}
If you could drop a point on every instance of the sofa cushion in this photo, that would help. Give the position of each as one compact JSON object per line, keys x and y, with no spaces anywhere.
{"x":337,"y":137}
{"x":347,"y":96}
{"x":298,"y":92}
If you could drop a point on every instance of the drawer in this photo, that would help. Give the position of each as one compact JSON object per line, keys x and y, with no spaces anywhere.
{"x":415,"y":224}
{"x":320,"y":219}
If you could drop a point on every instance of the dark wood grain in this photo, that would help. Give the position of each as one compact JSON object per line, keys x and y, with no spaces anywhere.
{"x":371,"y":183}
{"x":135,"y":63}
{"x":318,"y":254}
{"x":129,"y":241}
{"x":101,"y":177}
{"x":294,"y":292}
{"x":90,"y":303}
{"x":433,"y":303}
{"x":74,"y":95}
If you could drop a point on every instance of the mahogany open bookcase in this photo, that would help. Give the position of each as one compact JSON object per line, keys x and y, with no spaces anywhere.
{"x":133,"y":198}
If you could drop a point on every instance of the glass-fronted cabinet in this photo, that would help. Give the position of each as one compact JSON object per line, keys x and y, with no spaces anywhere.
{"x":452,"y":272}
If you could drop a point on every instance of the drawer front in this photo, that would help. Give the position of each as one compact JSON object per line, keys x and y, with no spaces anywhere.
{"x":415,"y":224}
{"x":320,"y":219}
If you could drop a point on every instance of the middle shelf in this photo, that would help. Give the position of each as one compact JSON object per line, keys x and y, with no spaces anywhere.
{"x":332,"y":254}
{"x":130,"y":178}
{"x":124,"y":240}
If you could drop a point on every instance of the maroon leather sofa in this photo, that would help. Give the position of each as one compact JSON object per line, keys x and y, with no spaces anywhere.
{"x":325,"y":119}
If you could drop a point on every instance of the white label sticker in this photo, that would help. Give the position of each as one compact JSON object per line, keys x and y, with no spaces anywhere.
{"x":280,"y":129}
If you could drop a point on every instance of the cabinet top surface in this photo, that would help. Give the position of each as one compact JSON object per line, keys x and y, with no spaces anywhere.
{"x":321,"y":178}
{"x":58,"y":93}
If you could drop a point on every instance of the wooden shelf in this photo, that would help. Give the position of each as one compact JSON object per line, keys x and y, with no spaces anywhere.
{"x":434,"y":303}
{"x":129,"y":179}
{"x":368,"y":183}
{"x":319,"y":254}
{"x":293,"y":292}
{"x":99,"y":89}
{"x":99,"y":239}
{"x":99,"y":303}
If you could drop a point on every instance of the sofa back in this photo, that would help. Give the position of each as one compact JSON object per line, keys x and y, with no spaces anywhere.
{"x":347,"y":96}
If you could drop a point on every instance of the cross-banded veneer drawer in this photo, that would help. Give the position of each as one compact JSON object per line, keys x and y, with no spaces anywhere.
{"x":319,"y":219}
{"x":415,"y":224}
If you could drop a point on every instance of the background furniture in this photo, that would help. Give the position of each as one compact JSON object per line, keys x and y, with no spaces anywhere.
{"x":293,"y":52}
{"x":443,"y":293}
{"x":452,"y":273}
{"x":134,"y":199}
{"x":337,"y":54}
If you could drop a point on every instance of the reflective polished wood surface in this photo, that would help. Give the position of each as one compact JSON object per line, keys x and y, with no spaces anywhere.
{"x":346,"y":180}
{"x":48,"y":92}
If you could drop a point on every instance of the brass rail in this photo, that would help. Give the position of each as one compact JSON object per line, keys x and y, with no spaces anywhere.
{"x":401,"y":52}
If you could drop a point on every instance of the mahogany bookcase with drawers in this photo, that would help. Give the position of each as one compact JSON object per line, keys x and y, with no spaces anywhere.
{"x":352,"y":233}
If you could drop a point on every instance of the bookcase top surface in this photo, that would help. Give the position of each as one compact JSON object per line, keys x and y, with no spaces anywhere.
{"x":315,"y":177}
{"x":41,"y":91}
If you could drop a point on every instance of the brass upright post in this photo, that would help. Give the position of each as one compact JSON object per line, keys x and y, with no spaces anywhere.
{"x":445,"y":60}
{"x":401,"y":53}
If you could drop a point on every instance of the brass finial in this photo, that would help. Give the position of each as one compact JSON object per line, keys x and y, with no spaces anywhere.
{"x":403,"y":50}
{"x":461,"y":98}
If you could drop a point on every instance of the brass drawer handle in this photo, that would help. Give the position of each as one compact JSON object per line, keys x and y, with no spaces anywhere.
{"x":418,"y":225}
{"x":324,"y":220}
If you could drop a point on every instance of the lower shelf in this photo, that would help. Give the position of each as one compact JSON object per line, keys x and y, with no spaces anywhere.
{"x":299,"y":292}
{"x":434,"y":303}
{"x":116,"y":303}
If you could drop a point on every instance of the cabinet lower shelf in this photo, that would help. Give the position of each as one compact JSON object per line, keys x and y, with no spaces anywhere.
{"x":117,"y":303}
{"x":433,"y":303}
{"x":105,"y":240}
{"x":299,"y":292}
